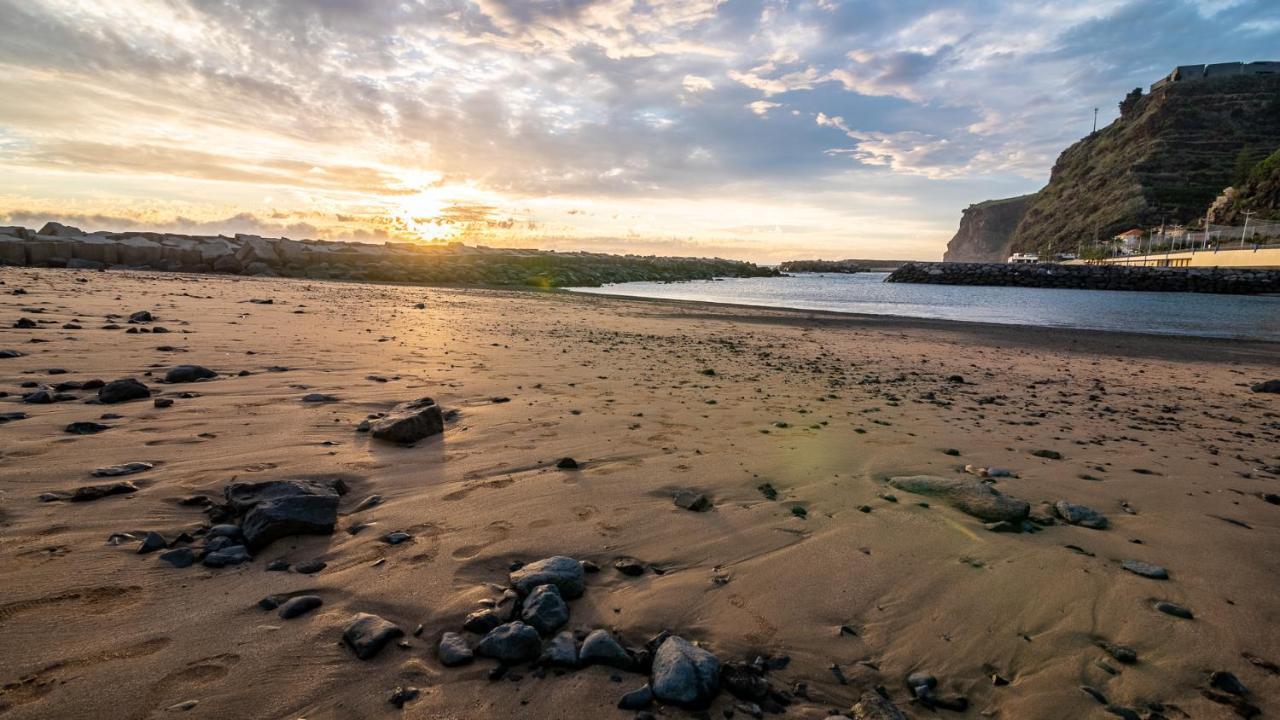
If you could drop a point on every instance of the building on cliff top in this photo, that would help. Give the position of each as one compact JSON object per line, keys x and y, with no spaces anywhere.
{"x":1214,"y":71}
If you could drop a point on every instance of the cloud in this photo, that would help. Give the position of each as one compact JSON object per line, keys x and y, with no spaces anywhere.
{"x":762,"y":107}
{"x":346,"y":114}
{"x":696,"y":84}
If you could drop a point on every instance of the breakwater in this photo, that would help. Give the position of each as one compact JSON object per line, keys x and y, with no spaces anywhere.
{"x":57,"y":245}
{"x":1232,"y":281}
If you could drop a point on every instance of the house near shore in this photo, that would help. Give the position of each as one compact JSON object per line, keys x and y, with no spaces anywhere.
{"x":1024,"y":259}
{"x":1130,"y":240}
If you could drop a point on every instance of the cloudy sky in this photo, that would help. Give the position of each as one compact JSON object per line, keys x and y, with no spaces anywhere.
{"x":760,"y":129}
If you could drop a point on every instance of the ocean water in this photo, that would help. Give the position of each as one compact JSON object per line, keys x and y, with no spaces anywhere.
{"x":1229,"y":316}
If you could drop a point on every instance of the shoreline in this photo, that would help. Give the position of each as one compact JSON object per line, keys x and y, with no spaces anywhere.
{"x":915,"y":322}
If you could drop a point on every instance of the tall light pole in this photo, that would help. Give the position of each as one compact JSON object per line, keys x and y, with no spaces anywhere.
{"x":1245,"y":229}
{"x":1095,"y":120}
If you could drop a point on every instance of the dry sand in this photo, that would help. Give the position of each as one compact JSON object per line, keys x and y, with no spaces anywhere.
{"x":823,"y":407}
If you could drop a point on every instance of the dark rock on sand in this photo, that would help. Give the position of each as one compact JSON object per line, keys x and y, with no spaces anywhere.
{"x":152,"y":542}
{"x":1270,"y":386}
{"x":561,"y":651}
{"x":369,"y":502}
{"x":227,"y":556}
{"x":179,"y":557}
{"x":629,"y":566}
{"x":300,"y":605}
{"x":1081,"y":515}
{"x":1126,"y":655}
{"x":563,"y":572}
{"x":600,"y":648}
{"x":972,"y":497}
{"x":319,"y":398}
{"x":1147,"y":570}
{"x":396,"y":537}
{"x":367,"y":634}
{"x":161,"y":403}
{"x":744,"y":681}
{"x":511,"y":643}
{"x":544,"y":610}
{"x":188,"y":373}
{"x":1174,"y":609}
{"x":86,"y":427}
{"x":142,"y":316}
{"x":481,"y":622}
{"x":12,"y":416}
{"x":684,"y":674}
{"x":402,"y":695}
{"x":1227,"y":682}
{"x":923,"y":687}
{"x":6,"y":354}
{"x":873,"y":706}
{"x":124,"y":469}
{"x":39,"y":397}
{"x":638,"y":699}
{"x":567,"y":463}
{"x":118,"y":391}
{"x":692,"y":500}
{"x":276,"y":508}
{"x":310,"y":567}
{"x":453,"y":650}
{"x":409,"y":422}
{"x":95,"y":492}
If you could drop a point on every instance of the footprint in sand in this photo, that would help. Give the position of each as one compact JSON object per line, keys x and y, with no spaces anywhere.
{"x":495,"y":532}
{"x":40,"y":683}
{"x":197,"y":672}
{"x":764,"y":630}
{"x":102,"y":599}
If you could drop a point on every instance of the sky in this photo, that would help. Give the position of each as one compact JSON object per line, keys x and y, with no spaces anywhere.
{"x":757,"y":129}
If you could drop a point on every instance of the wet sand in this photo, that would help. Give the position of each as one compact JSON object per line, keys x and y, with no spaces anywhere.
{"x":1162,"y":435}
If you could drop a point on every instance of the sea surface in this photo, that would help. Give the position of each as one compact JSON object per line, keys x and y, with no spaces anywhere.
{"x":1230,"y":316}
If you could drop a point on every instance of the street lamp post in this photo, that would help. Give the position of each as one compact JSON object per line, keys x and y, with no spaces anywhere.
{"x":1245,"y":229}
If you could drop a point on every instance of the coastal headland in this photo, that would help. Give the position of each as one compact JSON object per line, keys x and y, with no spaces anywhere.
{"x":962,"y":520}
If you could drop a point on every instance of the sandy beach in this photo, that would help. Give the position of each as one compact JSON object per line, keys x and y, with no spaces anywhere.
{"x":859,"y":582}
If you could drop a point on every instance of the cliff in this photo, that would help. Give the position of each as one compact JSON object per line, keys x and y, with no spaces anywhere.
{"x":1167,"y":156}
{"x":986,"y":230}
{"x":57,"y":245}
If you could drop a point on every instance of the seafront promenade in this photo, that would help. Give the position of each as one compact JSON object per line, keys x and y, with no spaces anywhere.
{"x":1246,"y":257}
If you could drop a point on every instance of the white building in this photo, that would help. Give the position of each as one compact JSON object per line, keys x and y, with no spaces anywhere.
{"x":1024,"y":259}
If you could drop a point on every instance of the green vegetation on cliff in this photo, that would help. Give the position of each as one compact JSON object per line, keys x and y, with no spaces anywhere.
{"x":1258,"y":192}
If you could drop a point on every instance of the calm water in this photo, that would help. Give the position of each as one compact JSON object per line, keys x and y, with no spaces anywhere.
{"x":1238,"y":316}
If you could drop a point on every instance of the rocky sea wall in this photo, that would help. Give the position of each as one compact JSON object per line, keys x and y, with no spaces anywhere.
{"x":1234,"y":281}
{"x":57,"y":245}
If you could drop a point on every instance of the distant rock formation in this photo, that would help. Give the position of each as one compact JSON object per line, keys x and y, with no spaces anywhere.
{"x":57,"y":245}
{"x":1165,"y":159}
{"x":986,"y":230}
{"x":851,"y":265}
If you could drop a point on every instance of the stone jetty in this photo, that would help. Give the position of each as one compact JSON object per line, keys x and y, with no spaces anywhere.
{"x":1233,"y":281}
